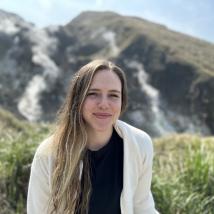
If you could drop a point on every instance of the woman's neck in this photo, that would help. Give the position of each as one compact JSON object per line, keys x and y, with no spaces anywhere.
{"x":96,"y":140}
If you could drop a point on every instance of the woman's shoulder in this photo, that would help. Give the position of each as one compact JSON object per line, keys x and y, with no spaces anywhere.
{"x":125,"y":128}
{"x":135,"y":135}
{"x":46,"y":148}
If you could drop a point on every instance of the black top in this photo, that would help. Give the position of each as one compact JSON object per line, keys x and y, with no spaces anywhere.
{"x":107,"y":177}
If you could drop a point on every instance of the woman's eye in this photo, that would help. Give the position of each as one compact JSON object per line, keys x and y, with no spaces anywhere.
{"x":91,"y":94}
{"x":114,"y":95}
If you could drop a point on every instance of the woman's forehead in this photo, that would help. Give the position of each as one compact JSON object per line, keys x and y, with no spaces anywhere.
{"x":106,"y":78}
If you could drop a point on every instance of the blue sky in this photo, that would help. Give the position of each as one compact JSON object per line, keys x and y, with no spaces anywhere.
{"x":193,"y":17}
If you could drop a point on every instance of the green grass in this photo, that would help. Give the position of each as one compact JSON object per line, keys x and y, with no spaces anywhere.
{"x":183,"y":177}
{"x":18,"y":142}
{"x":183,"y":180}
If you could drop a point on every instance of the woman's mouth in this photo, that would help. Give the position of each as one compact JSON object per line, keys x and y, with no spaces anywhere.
{"x":102,"y":115}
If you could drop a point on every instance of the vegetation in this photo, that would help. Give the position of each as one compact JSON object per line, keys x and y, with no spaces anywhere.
{"x":18,"y":142}
{"x":183,"y":178}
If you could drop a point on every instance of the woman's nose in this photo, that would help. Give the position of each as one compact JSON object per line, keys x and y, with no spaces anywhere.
{"x":103,"y":102}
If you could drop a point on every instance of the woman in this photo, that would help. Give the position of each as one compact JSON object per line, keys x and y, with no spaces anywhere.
{"x":93,"y":163}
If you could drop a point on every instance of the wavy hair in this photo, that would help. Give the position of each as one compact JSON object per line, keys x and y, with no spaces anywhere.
{"x":71,"y":185}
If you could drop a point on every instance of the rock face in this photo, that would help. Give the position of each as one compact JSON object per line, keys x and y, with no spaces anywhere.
{"x":170,"y":75}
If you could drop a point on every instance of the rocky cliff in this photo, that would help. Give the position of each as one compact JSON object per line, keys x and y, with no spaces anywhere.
{"x":170,"y":75}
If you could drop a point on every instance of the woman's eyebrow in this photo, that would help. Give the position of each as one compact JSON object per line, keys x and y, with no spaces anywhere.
{"x":113,"y":90}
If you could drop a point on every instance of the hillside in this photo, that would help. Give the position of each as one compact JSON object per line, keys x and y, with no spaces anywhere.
{"x":178,"y":46}
{"x":170,"y":75}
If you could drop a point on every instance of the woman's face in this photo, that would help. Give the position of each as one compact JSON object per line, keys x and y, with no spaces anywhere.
{"x":102,"y":105}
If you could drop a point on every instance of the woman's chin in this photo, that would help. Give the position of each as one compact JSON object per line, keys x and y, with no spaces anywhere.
{"x":102,"y":127}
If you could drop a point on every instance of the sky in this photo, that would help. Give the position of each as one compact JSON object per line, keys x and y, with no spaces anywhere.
{"x":192,"y":17}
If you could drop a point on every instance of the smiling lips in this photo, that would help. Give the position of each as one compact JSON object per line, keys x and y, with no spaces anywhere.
{"x":102,"y":115}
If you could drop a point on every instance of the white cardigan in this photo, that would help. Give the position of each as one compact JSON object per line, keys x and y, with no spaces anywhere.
{"x":136,"y":197}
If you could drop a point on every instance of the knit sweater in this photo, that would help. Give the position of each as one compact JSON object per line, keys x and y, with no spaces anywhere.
{"x":136,"y":196}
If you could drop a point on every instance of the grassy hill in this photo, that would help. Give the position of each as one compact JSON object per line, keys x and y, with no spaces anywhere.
{"x":179,"y":47}
{"x":182,"y":179}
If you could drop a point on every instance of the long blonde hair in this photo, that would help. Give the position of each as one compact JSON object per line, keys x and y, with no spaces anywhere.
{"x":70,"y":139}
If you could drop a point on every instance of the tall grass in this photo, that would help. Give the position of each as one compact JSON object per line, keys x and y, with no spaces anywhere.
{"x":15,"y":167}
{"x":183,"y":180}
{"x":18,"y":142}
